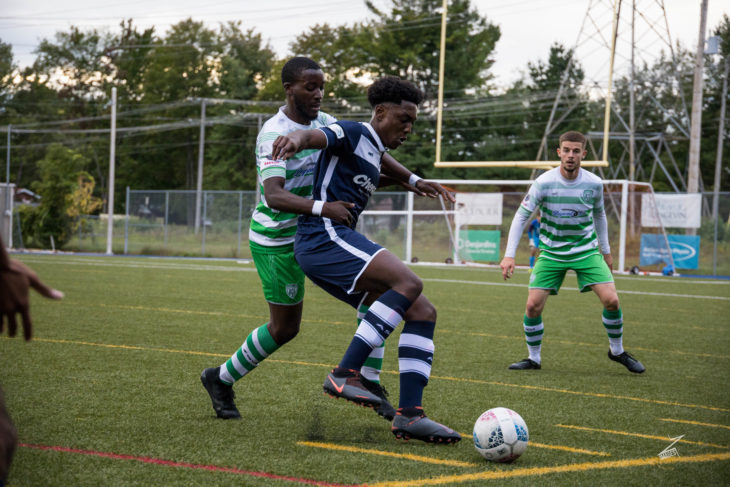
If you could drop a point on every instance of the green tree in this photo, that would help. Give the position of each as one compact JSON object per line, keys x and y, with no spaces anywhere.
{"x":129,"y":54}
{"x":61,"y":171}
{"x":7,"y":69}
{"x":405,"y":41}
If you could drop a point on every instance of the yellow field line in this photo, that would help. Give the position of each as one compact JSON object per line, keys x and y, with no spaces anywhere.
{"x":332,"y":322}
{"x":453,"y":379}
{"x":129,"y":347}
{"x":584,"y":344}
{"x":537,"y":471}
{"x":697,"y":423}
{"x":404,"y":456}
{"x":215,"y":313}
{"x":570,"y":449}
{"x":580,"y":393}
{"x":639,"y":435}
{"x":557,"y":447}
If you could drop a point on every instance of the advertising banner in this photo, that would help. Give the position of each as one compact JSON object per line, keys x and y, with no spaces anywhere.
{"x":675,"y":210}
{"x":478,"y":209}
{"x":685,"y":250}
{"x":479,"y":245}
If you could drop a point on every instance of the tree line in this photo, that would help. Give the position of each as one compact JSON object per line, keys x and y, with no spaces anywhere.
{"x":58,"y":108}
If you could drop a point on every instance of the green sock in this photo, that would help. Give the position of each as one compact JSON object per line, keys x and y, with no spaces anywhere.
{"x":258,"y":345}
{"x":374,"y":363}
{"x":534,"y":330}
{"x":613,"y":321}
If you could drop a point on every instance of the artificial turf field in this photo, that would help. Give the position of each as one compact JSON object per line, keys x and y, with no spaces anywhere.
{"x":108,"y":392}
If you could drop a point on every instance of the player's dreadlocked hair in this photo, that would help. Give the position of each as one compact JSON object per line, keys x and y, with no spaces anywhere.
{"x":392,"y":89}
{"x":293,"y":68}
{"x":573,"y":136}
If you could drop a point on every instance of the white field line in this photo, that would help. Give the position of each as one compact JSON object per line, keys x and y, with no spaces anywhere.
{"x":647,"y":293}
{"x":247,"y":267}
{"x":141,"y":265}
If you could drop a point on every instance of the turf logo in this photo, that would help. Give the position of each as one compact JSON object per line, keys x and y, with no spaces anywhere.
{"x":669,"y":451}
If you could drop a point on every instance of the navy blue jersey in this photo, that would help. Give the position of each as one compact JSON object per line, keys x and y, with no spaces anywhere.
{"x":348,"y":169}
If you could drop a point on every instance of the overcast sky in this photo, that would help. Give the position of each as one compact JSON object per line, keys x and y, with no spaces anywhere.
{"x":528,"y":27}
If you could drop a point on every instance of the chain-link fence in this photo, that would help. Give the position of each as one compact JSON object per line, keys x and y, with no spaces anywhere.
{"x":163,"y":223}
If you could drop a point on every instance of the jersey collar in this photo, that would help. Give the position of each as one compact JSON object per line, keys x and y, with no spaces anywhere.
{"x":376,"y":138}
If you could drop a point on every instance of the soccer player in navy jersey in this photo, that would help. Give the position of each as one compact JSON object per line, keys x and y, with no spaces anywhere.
{"x":286,"y":193}
{"x":352,"y":268}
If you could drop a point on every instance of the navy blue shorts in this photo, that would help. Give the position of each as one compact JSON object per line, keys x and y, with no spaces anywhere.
{"x":334,"y":257}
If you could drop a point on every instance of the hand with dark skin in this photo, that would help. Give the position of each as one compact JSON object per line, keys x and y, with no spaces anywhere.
{"x":16,"y":279}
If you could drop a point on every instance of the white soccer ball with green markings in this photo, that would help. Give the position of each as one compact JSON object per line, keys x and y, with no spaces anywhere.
{"x":500,"y":435}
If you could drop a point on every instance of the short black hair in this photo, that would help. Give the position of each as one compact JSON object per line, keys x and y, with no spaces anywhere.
{"x":392,"y":89}
{"x":293,"y":68}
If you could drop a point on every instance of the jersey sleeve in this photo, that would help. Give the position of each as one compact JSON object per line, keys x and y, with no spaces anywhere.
{"x":342,"y":136}
{"x":528,"y":205}
{"x":601,"y":222}
{"x":515,"y":232}
{"x":531,"y":200}
{"x":266,"y":166}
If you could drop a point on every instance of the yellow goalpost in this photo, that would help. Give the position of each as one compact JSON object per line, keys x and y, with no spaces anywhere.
{"x":526,"y":164}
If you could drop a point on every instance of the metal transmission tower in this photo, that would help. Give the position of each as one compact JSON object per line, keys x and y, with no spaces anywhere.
{"x":626,"y":34}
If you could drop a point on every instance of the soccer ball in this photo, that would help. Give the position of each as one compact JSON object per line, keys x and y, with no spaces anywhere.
{"x":500,"y":435}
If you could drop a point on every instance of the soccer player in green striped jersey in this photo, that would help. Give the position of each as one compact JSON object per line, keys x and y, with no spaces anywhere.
{"x":573,"y":235}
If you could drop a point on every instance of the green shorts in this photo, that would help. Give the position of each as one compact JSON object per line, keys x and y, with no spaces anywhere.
{"x":281,"y":277}
{"x":549,"y":274}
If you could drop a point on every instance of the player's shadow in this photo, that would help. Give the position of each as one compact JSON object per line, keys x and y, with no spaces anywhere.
{"x":319,"y":430}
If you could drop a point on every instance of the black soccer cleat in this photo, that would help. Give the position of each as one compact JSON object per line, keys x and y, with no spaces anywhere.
{"x":525,"y":364}
{"x":421,"y":427}
{"x":220,"y":394}
{"x":386,"y":409}
{"x":627,"y":361}
{"x":349,"y":384}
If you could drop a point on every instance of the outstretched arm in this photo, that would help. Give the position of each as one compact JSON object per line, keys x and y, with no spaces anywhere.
{"x":16,"y":279}
{"x":287,"y":145}
{"x":395,"y":170}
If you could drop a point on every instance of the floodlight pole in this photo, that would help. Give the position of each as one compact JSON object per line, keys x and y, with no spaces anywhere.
{"x":201,"y":149}
{"x":8,"y":192}
{"x":718,"y":163}
{"x":442,"y":57}
{"x":7,"y":156}
{"x":632,"y":98}
{"x":696,"y":121}
{"x":607,"y":111}
{"x":112,"y":150}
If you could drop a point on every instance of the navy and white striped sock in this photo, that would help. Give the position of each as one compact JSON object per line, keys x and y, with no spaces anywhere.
{"x":379,"y":322}
{"x":415,"y":356}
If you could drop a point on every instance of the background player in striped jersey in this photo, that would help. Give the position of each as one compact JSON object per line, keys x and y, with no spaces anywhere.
{"x":574,"y":234}
{"x":350,"y":267}
{"x":286,"y":189}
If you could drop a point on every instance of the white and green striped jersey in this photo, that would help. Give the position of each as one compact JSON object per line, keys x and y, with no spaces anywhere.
{"x":270,"y":227}
{"x":572,"y":217}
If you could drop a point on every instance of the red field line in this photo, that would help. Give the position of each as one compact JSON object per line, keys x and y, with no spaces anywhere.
{"x":195,"y":466}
